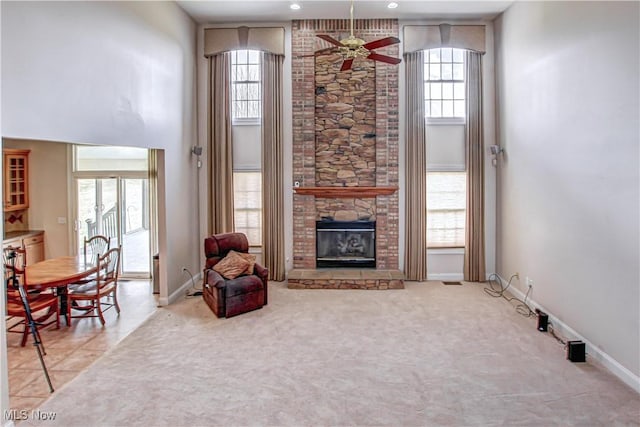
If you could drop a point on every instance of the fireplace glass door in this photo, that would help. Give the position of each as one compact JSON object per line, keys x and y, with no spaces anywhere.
{"x":345,"y":244}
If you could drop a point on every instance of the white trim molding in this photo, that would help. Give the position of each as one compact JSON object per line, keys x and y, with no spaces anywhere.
{"x":596,"y":353}
{"x":181,"y":291}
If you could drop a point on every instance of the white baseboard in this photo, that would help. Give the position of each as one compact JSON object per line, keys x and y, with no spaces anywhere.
{"x":180,"y":292}
{"x":565,"y":330}
{"x":445,"y":277}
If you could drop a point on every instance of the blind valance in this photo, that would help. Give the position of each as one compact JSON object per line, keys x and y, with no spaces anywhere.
{"x":420,"y":37}
{"x":266,"y":39}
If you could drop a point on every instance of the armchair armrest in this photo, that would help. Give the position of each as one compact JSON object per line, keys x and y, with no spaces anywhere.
{"x":213,"y":279}
{"x":263,"y":274}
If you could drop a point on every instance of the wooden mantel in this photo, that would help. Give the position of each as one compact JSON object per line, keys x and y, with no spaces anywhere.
{"x":343,"y":192}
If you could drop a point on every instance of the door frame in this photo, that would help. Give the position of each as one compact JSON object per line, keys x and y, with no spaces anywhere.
{"x":119,"y":176}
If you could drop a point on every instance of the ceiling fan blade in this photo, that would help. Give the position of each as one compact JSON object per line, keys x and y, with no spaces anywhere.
{"x":346,"y":65}
{"x":381,"y":43}
{"x":384,"y":58}
{"x":329,"y":39}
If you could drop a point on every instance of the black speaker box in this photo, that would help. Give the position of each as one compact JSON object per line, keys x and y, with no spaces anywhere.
{"x":543,"y":321}
{"x":575,"y":351}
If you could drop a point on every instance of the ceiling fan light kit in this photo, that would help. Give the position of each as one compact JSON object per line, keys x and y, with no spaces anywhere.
{"x":353,"y":47}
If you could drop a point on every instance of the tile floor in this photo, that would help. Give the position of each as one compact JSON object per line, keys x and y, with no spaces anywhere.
{"x":71,"y":349}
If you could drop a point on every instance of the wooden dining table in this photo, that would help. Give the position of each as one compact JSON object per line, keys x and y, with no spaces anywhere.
{"x":59,"y":273}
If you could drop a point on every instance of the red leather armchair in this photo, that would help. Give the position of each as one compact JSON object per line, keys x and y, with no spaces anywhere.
{"x":230,"y":297}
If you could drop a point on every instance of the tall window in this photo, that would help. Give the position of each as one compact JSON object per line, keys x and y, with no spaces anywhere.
{"x":247,"y":199}
{"x":446,"y":169}
{"x":444,"y":83}
{"x":245,"y":90}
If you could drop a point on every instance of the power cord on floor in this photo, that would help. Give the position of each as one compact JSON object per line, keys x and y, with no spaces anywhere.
{"x":196,"y":292}
{"x":497,"y":290}
{"x":552,"y":331}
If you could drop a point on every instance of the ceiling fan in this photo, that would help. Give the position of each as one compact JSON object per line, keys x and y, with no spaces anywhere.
{"x":353,"y":47}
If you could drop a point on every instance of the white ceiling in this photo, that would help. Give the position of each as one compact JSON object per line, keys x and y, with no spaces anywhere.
{"x":238,"y":11}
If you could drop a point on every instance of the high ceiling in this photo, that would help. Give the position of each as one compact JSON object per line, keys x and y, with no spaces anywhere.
{"x":238,"y":11}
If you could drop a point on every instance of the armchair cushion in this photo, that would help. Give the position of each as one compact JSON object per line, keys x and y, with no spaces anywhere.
{"x":232,"y":265}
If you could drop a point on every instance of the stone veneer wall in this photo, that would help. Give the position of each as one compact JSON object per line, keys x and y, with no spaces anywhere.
{"x":345,"y":133}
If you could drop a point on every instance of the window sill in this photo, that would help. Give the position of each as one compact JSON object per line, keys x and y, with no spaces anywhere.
{"x":445,"y":251}
{"x":247,"y":122}
{"x":445,"y":121}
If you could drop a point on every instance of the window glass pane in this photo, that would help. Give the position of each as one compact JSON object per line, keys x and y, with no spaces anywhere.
{"x":446,"y":55}
{"x":447,"y":90}
{"x":436,"y":90}
{"x":436,"y":110}
{"x":458,"y":55}
{"x":459,"y":108}
{"x":241,"y":91}
{"x":253,"y":109}
{"x":434,"y":55}
{"x":434,"y":72}
{"x":253,"y":91}
{"x":95,"y":158}
{"x":447,"y":71}
{"x":447,"y":108}
{"x":458,"y":72}
{"x":242,"y":56}
{"x":458,"y":90}
{"x":253,"y":72}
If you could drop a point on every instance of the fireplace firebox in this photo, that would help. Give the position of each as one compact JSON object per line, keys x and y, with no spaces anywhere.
{"x":345,"y":244}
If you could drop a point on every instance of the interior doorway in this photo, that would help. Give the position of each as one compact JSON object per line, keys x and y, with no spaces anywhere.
{"x":112,"y":199}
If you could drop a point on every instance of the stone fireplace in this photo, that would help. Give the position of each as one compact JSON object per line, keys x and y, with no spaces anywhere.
{"x":345,"y":145}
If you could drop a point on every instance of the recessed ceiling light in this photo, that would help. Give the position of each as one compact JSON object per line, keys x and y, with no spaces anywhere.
{"x":392,"y":5}
{"x":295,"y":6}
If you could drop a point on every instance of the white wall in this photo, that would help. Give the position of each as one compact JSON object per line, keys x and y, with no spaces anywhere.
{"x":48,"y":197}
{"x":567,"y":81}
{"x":110,"y":73}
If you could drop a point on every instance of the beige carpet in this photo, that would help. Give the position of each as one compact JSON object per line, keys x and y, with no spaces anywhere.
{"x":428,"y":355}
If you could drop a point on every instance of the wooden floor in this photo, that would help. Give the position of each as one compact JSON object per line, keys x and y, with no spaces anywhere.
{"x":71,"y":349}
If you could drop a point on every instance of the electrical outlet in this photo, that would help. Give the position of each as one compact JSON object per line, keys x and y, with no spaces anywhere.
{"x":529,"y":282}
{"x":183,"y":269}
{"x":517,"y":275}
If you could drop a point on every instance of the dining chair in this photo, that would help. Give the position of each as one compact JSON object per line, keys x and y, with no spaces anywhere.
{"x":42,"y":304}
{"x":95,"y":246}
{"x":91,"y":298}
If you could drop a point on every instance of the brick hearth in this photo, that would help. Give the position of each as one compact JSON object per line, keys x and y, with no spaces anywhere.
{"x":345,"y":279}
{"x":345,"y":134}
